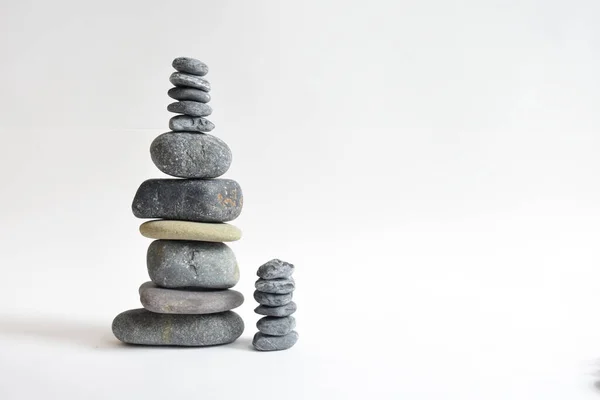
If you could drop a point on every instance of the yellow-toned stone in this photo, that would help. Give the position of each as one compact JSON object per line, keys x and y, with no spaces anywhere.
{"x":187,"y":230}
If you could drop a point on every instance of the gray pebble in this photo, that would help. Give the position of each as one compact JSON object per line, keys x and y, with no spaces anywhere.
{"x":185,"y":93}
{"x":190,"y":65}
{"x":186,"y":264}
{"x":278,"y":286}
{"x":264,"y":342}
{"x":276,"y":326}
{"x":190,"y":155}
{"x":280,"y":311}
{"x":275,"y":269}
{"x":190,"y":124}
{"x":210,"y":200}
{"x":192,"y":108}
{"x":186,"y":80}
{"x":272,"y":300}
{"x":141,"y":326}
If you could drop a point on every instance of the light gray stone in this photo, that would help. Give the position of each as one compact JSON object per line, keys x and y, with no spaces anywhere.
{"x":186,"y":123}
{"x":190,"y":65}
{"x":275,"y":269}
{"x":280,"y":311}
{"x":277,"y":286}
{"x":187,"y":80}
{"x":276,"y":326}
{"x":272,"y":300}
{"x":186,"y":93}
{"x":262,"y":342}
{"x":192,"y":108}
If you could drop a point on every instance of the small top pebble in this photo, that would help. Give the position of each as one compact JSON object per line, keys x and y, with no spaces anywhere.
{"x":190,"y":65}
{"x":275,"y":269}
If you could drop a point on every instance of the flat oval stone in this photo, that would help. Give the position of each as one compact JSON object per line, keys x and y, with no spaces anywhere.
{"x":262,"y":342}
{"x":272,"y":300}
{"x":189,"y":301}
{"x":276,"y":326}
{"x":186,"y":123}
{"x":188,"y":80}
{"x":190,"y":155}
{"x":141,"y":326}
{"x":193,"y":108}
{"x":280,"y":311}
{"x":187,"y":230}
{"x":190,"y":65}
{"x":275,"y":269}
{"x":189,"y":264}
{"x":277,"y":286}
{"x":186,"y":93}
{"x":200,"y":200}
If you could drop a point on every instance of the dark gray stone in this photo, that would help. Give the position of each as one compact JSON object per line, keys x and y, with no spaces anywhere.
{"x":211,"y":200}
{"x":190,"y":65}
{"x":186,"y":80}
{"x":190,"y":155}
{"x":185,"y":123}
{"x":277,"y":286}
{"x":281,"y":311}
{"x":144,"y":327}
{"x":276,"y":326}
{"x":187,"y":264}
{"x":275,"y":269}
{"x":192,"y":108}
{"x":272,"y":300}
{"x":262,"y":342}
{"x":185,"y":93}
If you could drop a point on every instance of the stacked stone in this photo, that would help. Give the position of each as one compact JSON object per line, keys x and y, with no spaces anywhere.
{"x":274,"y":291}
{"x":188,"y":301}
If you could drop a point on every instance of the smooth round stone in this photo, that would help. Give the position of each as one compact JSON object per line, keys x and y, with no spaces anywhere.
{"x":185,"y":93}
{"x":187,"y":230}
{"x":141,"y":326}
{"x":190,"y":301}
{"x":262,"y":342}
{"x":276,"y":326}
{"x":272,"y":300}
{"x":189,"y":264}
{"x":200,"y":200}
{"x":185,"y":123}
{"x":192,"y":108}
{"x":275,"y":269}
{"x":277,"y":286}
{"x":281,"y":311}
{"x":187,"y":80}
{"x":190,"y":65}
{"x":190,"y":155}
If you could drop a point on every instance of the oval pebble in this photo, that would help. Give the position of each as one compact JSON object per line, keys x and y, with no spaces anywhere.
{"x":186,"y":93}
{"x":187,"y":230}
{"x":186,"y":80}
{"x":276,"y":326}
{"x":262,"y":342}
{"x":277,"y":286}
{"x":275,"y":269}
{"x":192,"y":108}
{"x":190,"y":65}
{"x":280,"y":311}
{"x":186,"y":123}
{"x":272,"y":300}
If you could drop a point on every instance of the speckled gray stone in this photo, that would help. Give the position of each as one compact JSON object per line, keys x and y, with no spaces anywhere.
{"x":187,"y":80}
{"x":272,"y":300}
{"x":264,"y":342}
{"x":185,"y":123}
{"x":141,"y":326}
{"x":190,"y":65}
{"x":192,"y":108}
{"x":276,"y":326}
{"x":186,"y":264}
{"x":189,"y":301}
{"x":275,"y":269}
{"x":280,"y":311}
{"x":277,"y":286}
{"x":190,"y":155}
{"x":210,"y":200}
{"x":186,"y":93}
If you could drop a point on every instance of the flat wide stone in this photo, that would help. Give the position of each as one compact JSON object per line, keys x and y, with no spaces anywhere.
{"x":190,"y":65}
{"x":275,"y":269}
{"x":185,"y":123}
{"x":272,"y":300}
{"x":185,"y":93}
{"x":264,"y":342}
{"x":277,"y":286}
{"x":276,"y":326}
{"x":186,"y":230}
{"x":279,"y":311}
{"x":188,"y":80}
{"x":192,"y":108}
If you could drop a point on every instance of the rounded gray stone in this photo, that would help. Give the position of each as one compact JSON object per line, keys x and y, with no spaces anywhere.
{"x":186,"y":93}
{"x":262,"y":342}
{"x":190,"y":155}
{"x":200,"y":200}
{"x":277,"y":286}
{"x":275,"y":269}
{"x":276,"y":326}
{"x":272,"y":300}
{"x":279,"y":311}
{"x":192,"y":264}
{"x":189,"y":301}
{"x":192,"y":108}
{"x":182,"y":79}
{"x":186,"y":123}
{"x":190,"y":65}
{"x":141,"y":326}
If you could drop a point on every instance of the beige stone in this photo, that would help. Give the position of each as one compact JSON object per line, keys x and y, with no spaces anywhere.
{"x":187,"y":230}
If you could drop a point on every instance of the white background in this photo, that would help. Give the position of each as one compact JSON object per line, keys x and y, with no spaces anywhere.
{"x":431,"y":167}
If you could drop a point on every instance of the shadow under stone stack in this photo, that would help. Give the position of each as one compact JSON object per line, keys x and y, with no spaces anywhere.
{"x":274,"y":291}
{"x":188,"y":301}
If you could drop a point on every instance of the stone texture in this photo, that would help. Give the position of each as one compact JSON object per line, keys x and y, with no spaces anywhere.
{"x":190,"y":301}
{"x":187,"y":230}
{"x":277,"y":286}
{"x":212,"y":200}
{"x":185,"y":123}
{"x":190,"y":65}
{"x":275,"y":269}
{"x":187,"y":264}
{"x":276,"y":326}
{"x":141,"y":326}
{"x":264,"y":342}
{"x":190,"y":155}
{"x":192,"y":108}
{"x":272,"y":300}
{"x":187,"y":80}
{"x":280,"y":311}
{"x":186,"y":93}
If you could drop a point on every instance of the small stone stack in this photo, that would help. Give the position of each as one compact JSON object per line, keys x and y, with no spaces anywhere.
{"x":274,"y":291}
{"x":188,"y":301}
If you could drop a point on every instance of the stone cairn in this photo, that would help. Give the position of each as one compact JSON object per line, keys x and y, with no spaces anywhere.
{"x":188,"y":301}
{"x":274,"y":291}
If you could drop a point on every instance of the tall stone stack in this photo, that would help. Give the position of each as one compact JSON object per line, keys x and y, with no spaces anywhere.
{"x":188,"y":300}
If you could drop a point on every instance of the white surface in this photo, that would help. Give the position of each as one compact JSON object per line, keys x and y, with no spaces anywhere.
{"x":430,"y":167}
